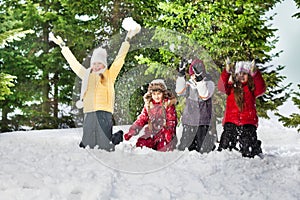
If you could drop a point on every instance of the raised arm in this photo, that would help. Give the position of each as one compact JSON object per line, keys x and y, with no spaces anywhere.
{"x":223,"y":84}
{"x":73,"y":62}
{"x":133,"y":28}
{"x":119,"y":60}
{"x":180,"y":81}
{"x":260,"y":85}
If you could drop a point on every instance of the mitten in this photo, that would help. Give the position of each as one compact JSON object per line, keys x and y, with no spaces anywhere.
{"x":57,"y":40}
{"x":127,"y":136}
{"x":133,"y":32}
{"x":228,"y":66}
{"x":131,"y":26}
{"x":253,"y":68}
{"x":117,"y":137}
{"x":168,"y":136}
{"x":181,"y":69}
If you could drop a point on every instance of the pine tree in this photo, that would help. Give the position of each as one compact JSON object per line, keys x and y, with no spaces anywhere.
{"x":38,"y":64}
{"x":297,"y":15}
{"x":234,"y":29}
{"x":292,"y":120}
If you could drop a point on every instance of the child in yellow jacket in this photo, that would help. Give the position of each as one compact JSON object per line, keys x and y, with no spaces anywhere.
{"x":97,"y":92}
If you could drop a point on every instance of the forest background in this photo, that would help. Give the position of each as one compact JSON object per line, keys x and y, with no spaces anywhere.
{"x":38,"y":89}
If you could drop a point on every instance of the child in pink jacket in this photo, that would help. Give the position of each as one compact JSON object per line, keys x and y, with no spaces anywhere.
{"x":160,"y":116}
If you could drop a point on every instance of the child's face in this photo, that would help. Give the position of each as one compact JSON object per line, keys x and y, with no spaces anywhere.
{"x":157,"y":96}
{"x":242,"y":77}
{"x":97,"y":66}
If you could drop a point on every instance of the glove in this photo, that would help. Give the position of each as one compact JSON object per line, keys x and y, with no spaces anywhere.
{"x":57,"y":40}
{"x":229,"y":67}
{"x":127,"y":136}
{"x":199,"y":72}
{"x":117,"y":137}
{"x":253,"y":68}
{"x":132,"y":33}
{"x":168,"y":136}
{"x":181,"y":69}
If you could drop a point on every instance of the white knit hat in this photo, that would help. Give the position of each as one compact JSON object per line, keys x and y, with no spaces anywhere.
{"x":99,"y":55}
{"x":242,"y":66}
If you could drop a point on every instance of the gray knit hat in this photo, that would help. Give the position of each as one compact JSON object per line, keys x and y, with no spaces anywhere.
{"x":99,"y":55}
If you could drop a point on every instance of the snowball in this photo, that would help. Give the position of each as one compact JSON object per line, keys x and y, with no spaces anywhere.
{"x":129,"y":24}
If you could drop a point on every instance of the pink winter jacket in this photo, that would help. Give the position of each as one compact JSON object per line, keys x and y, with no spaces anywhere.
{"x":161,"y":119}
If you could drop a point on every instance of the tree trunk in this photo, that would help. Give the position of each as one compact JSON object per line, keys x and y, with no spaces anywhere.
{"x":4,"y":121}
{"x":55,"y":96}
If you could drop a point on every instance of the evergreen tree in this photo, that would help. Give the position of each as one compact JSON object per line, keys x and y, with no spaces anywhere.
{"x":5,"y":84}
{"x":235,"y":29}
{"x":297,"y":15}
{"x":38,"y":64}
{"x":294,"y":119}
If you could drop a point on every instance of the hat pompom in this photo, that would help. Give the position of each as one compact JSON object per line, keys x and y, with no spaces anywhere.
{"x":79,"y":104}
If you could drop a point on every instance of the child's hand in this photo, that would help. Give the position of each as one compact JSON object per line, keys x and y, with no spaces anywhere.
{"x":127,"y":136}
{"x":182,"y":65}
{"x":57,"y":40}
{"x":253,"y":68}
{"x":228,"y":67}
{"x":168,"y":136}
{"x":131,"y":26}
{"x":133,"y":32}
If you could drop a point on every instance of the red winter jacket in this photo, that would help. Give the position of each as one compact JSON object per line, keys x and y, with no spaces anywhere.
{"x":161,"y":133}
{"x":232,"y":113}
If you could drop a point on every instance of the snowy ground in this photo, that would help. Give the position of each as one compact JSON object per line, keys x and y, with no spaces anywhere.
{"x":48,"y":164}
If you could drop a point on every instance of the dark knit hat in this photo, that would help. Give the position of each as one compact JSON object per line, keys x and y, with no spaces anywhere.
{"x":198,"y":64}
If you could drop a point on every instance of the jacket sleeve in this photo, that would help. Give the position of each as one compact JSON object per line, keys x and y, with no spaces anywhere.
{"x":205,"y":89}
{"x":171,"y":122}
{"x":223,"y":84}
{"x":119,"y":60}
{"x":260,"y":85}
{"x":140,"y":122}
{"x":73,"y":62}
{"x":180,"y":86}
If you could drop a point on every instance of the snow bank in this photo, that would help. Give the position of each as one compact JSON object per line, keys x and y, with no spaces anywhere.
{"x":48,"y":164}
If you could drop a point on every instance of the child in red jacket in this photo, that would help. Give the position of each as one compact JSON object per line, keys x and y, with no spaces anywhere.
{"x":242,"y":86}
{"x":160,"y":115}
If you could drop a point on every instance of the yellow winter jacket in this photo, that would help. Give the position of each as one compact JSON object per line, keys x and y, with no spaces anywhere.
{"x":100,"y":92}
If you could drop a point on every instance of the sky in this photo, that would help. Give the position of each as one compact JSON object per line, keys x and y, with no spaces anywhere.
{"x":288,"y":33}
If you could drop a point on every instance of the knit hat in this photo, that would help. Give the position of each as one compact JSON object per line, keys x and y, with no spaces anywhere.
{"x":198,"y":64}
{"x":99,"y":55}
{"x":243,"y":66}
{"x":157,"y":84}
